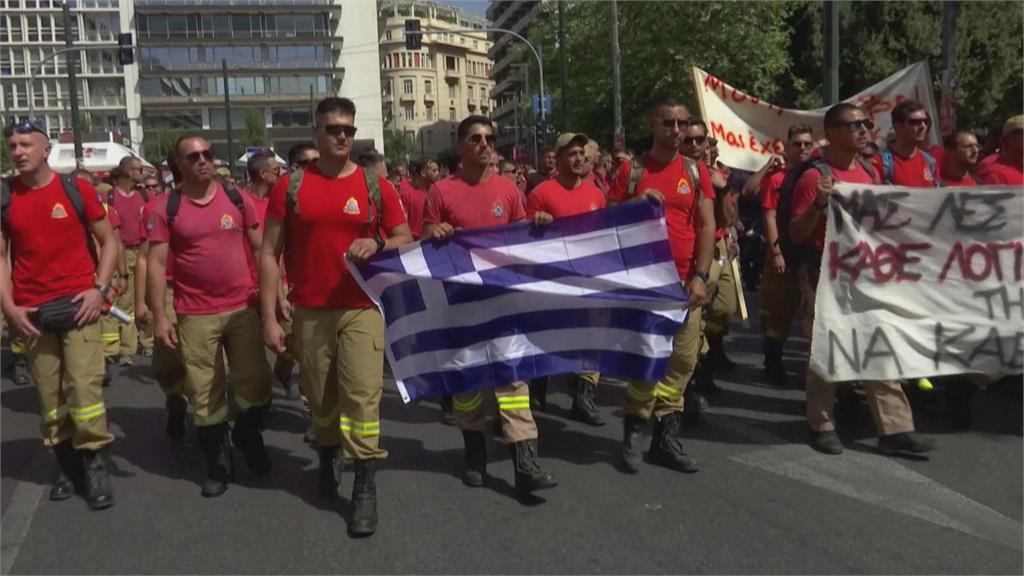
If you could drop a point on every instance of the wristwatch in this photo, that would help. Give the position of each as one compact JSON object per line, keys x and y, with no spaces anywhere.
{"x":103,"y":288}
{"x":703,"y":276}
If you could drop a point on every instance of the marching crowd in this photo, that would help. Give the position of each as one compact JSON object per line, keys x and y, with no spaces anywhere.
{"x":211,"y":275}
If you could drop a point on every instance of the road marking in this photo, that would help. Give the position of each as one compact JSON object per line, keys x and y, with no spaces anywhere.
{"x":17,"y":520}
{"x":876,"y":480}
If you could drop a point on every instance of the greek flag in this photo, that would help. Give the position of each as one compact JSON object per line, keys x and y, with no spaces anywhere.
{"x":594,"y":292}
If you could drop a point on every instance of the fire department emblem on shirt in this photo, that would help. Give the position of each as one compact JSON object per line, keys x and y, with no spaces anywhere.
{"x":683,"y":187}
{"x":58,"y":211}
{"x":227,"y":222}
{"x":498,"y":210}
{"x":351,"y":206}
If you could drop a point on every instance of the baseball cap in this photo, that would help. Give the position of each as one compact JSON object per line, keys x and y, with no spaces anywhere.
{"x":1014,"y":123}
{"x":222,"y":171}
{"x":570,"y":138}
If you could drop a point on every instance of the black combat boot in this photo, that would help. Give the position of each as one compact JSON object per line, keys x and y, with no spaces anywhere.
{"x":666,"y":447}
{"x":476,"y":458}
{"x":364,"y":500}
{"x":632,"y":436}
{"x":213,"y":440}
{"x":529,"y":475}
{"x":774,"y":369}
{"x":716,"y":353}
{"x":176,"y":406}
{"x":98,"y":491}
{"x":70,"y":472}
{"x":328,"y":473}
{"x":584,"y":408}
{"x":248,"y":438}
{"x":539,"y":394}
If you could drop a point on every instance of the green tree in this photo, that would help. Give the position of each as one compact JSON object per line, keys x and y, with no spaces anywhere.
{"x":397,"y":147}
{"x":159,"y":143}
{"x":255,"y":130}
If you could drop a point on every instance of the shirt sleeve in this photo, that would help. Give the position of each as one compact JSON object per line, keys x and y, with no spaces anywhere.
{"x":157,"y":224}
{"x":707,"y":190}
{"x":250,"y":219}
{"x":90,"y":200}
{"x":770,"y":191}
{"x":433,"y":212}
{"x":618,"y":191}
{"x":115,"y":220}
{"x":535,"y":203}
{"x":517,"y":204}
{"x":394,"y":215}
{"x":276,"y":205}
{"x":806,"y":191}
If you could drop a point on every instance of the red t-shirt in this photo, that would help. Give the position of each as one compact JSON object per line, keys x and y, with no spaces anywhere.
{"x":333,"y":212}
{"x":146,"y":211}
{"x":261,"y":217}
{"x":1000,"y":171}
{"x":129,"y":210}
{"x":555,"y":199}
{"x":413,"y":203}
{"x":115,"y":221}
{"x":48,"y":241}
{"x":211,"y":273}
{"x":913,"y":171}
{"x":491,"y":202}
{"x":967,"y":180}
{"x":805,"y":194}
{"x":682,"y":206}
{"x":771,"y":187}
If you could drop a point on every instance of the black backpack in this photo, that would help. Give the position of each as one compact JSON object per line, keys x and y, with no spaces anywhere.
{"x":794,"y":253}
{"x":174,"y":204}
{"x":74,"y":198}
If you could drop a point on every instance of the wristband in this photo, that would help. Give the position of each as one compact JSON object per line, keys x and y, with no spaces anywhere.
{"x":819,"y":207}
{"x":102,"y":288}
{"x":380,"y":244}
{"x":704,"y":277}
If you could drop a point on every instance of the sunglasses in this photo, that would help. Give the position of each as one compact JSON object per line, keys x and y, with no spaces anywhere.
{"x":193,"y":157}
{"x":304,"y":162}
{"x":150,"y":185}
{"x":919,"y":122}
{"x":694,"y":140}
{"x":477,"y":139}
{"x":670,"y":122}
{"x":801,"y":145}
{"x":27,"y":127}
{"x":339,"y":129}
{"x":856,"y":125}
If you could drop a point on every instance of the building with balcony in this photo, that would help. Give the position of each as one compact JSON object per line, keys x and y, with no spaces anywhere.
{"x":427,"y":92}
{"x":282,"y":57}
{"x":514,"y":15}
{"x":31,"y":30}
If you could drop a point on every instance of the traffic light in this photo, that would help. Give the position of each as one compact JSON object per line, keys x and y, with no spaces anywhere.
{"x":413,"y":34}
{"x":126,"y":49}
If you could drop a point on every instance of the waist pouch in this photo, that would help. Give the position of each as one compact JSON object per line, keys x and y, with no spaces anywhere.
{"x":57,"y":315}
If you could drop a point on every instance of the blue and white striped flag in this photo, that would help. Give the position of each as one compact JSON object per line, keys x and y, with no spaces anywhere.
{"x":594,"y":292}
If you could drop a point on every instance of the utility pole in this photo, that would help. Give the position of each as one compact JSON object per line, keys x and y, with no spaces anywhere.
{"x":830,"y":94}
{"x":619,"y":134}
{"x":947,"y":108}
{"x":563,"y":66}
{"x":227,"y":116}
{"x":69,"y":43}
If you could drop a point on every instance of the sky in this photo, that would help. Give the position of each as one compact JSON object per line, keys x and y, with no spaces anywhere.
{"x":478,"y":7}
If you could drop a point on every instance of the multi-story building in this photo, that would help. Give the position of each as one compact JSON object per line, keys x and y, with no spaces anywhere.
{"x":514,"y":15}
{"x":427,"y":92}
{"x":282,"y":56}
{"x":31,"y":31}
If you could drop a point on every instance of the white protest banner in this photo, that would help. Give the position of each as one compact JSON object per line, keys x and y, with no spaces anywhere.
{"x":749,"y":129}
{"x":919,"y":282}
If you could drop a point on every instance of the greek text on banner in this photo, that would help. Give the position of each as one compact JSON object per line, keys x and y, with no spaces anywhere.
{"x":919,"y":282}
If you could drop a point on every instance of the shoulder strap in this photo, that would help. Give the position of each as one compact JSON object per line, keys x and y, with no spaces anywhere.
{"x":294,"y":183}
{"x":636,"y":172}
{"x":173,"y":205}
{"x":932,"y":167}
{"x":5,"y":203}
{"x":145,"y":195}
{"x":693,"y":172}
{"x":236,"y":198}
{"x":887,"y":166}
{"x":78,"y":203}
{"x":822,"y":167}
{"x":373,"y":189}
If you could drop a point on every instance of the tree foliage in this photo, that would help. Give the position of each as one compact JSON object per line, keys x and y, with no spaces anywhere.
{"x":255,"y":129}
{"x":772,"y":50}
{"x":398,"y":147}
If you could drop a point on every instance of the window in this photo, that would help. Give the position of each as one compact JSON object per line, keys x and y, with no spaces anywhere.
{"x":387,"y":35}
{"x":410,"y":113}
{"x":407,"y":86}
{"x":453,"y":91}
{"x":219,"y":121}
{"x":451,"y":114}
{"x":428,"y":87}
{"x":386,"y":86}
{"x":450,"y":63}
{"x":291,"y":117}
{"x":430,"y":112}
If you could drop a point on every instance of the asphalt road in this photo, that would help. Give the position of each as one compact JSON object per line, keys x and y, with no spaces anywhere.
{"x":763,"y":502}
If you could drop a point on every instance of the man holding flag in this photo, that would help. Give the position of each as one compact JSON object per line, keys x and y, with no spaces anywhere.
{"x":477,"y":197}
{"x":684,"y":187}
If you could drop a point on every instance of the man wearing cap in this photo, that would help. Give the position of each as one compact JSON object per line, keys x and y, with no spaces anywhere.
{"x":476,"y":197}
{"x":569,"y":193}
{"x":53,"y":287}
{"x":1008,"y":168}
